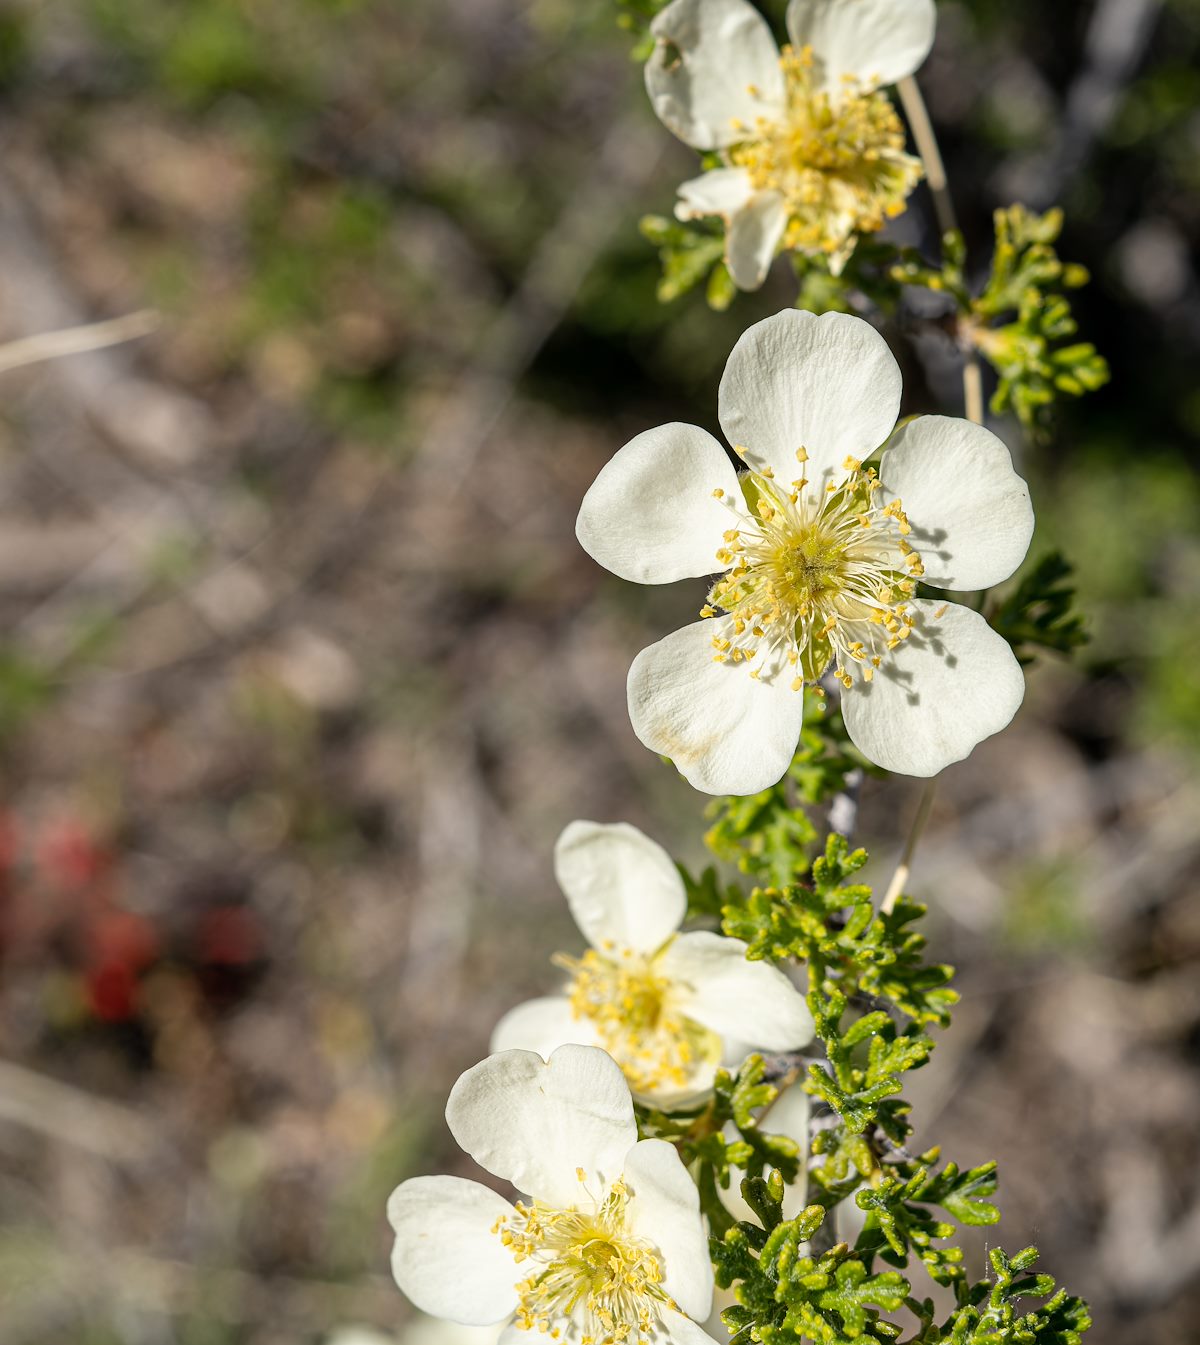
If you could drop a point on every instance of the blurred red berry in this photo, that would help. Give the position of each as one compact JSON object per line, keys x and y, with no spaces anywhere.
{"x":112,"y":992}
{"x":228,"y":936}
{"x":69,"y":856}
{"x":121,"y":938}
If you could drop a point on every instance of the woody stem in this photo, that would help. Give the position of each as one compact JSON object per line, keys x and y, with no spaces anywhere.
{"x":943,"y":205}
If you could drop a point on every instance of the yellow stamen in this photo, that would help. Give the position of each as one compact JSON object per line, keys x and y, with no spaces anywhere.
{"x":840,"y":164}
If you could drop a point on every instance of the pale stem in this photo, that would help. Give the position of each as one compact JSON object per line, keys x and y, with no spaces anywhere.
{"x":973,"y":386}
{"x":943,"y":205}
{"x":77,"y":340}
{"x":931,"y":155}
{"x":900,"y":877}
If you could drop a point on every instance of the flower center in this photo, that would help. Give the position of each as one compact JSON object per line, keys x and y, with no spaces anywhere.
{"x":815,"y":578}
{"x":629,"y":1003}
{"x":839,"y":162}
{"x":593,"y":1280}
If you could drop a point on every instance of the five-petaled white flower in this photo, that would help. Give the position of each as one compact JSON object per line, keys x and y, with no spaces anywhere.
{"x":813,"y":153}
{"x":668,"y":1007}
{"x":610,"y":1246}
{"x":821,"y":557}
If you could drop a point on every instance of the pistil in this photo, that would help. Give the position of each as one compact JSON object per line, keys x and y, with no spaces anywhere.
{"x":815,"y":578}
{"x":838,"y":161}
{"x":594,"y":1282}
{"x":629,"y":1003}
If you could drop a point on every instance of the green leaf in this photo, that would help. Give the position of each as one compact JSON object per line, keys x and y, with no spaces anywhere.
{"x":1026,"y":286}
{"x":1040,"y":612}
{"x":770,"y":835}
{"x":988,"y":1312}
{"x":635,"y":17}
{"x":688,"y":252}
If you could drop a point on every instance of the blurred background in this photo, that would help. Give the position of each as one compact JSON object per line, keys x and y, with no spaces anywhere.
{"x":302,"y":671}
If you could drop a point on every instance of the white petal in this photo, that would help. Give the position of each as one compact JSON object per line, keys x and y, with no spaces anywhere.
{"x":446,"y":1257}
{"x":664,"y":1208}
{"x":696,"y":1087}
{"x":747,"y":1001}
{"x":754,"y":221}
{"x":951,"y":684}
{"x":848,"y":1221}
{"x":710,"y":55}
{"x":722,"y":191}
{"x":622,"y":887}
{"x":542,"y":1025}
{"x":752,"y":236}
{"x":682,"y":1330}
{"x":651,"y":516}
{"x":789,"y":1115}
{"x":876,"y":41}
{"x":970,"y":513}
{"x":827,"y":384}
{"x":535,"y":1123}
{"x":422,"y":1329}
{"x":726,"y":732}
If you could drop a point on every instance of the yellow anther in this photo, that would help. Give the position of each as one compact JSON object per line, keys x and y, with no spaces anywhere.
{"x":820,"y":580}
{"x":838,"y":161}
{"x":719,"y":493}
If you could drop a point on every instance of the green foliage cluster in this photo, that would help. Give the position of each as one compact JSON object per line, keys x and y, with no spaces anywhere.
{"x":705,"y":1142}
{"x":1032,"y":354}
{"x":850,"y":949}
{"x":988,"y":1314}
{"x":1022,"y":321}
{"x":635,"y":16}
{"x":788,"y":1291}
{"x":690,"y":252}
{"x":872,"y":994}
{"x":770,"y":836}
{"x":1039,"y":614}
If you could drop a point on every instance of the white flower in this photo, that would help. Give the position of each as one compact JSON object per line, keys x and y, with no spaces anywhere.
{"x":668,"y":1007}
{"x":609,"y":1248}
{"x":821,"y":559}
{"x":813,"y":153}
